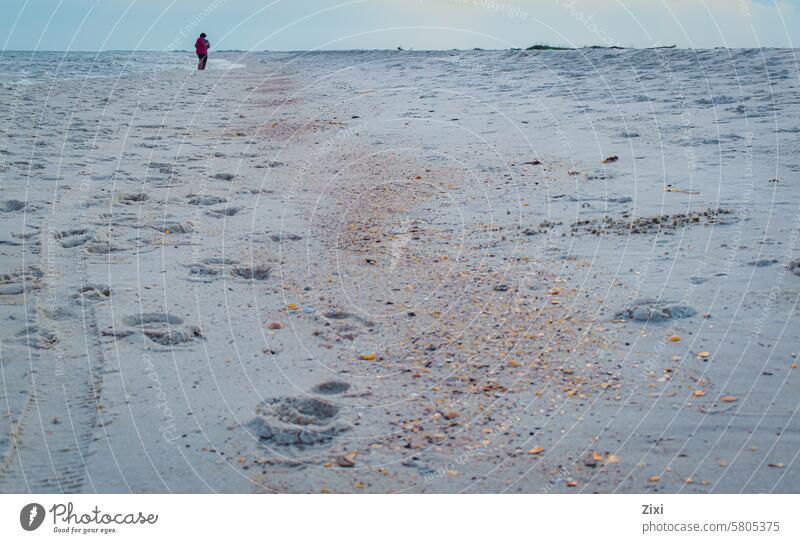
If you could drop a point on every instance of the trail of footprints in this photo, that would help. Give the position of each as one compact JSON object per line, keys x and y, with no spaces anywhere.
{"x":296,"y":422}
{"x":68,"y":378}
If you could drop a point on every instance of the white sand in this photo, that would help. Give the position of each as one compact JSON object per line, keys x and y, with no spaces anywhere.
{"x":392,"y":196}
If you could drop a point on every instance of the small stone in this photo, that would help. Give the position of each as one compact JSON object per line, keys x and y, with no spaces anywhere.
{"x":347,"y":460}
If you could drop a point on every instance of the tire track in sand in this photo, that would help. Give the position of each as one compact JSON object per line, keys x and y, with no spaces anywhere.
{"x":52,"y":438}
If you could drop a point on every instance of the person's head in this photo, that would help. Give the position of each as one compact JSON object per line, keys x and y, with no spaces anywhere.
{"x":203,"y":35}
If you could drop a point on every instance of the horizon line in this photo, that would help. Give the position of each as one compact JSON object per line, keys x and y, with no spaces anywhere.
{"x":536,"y":47}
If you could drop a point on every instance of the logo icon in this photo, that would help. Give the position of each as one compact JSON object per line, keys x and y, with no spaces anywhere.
{"x":31,"y":516}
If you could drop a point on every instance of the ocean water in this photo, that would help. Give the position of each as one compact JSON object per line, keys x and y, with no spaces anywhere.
{"x":37,"y":67}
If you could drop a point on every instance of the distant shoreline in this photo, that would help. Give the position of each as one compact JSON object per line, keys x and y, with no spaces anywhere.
{"x":530,"y":48}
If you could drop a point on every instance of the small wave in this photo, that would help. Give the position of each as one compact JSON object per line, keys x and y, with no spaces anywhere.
{"x":31,"y":68}
{"x":223,"y":64}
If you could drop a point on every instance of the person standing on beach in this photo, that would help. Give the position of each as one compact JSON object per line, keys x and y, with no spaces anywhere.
{"x":202,"y":46}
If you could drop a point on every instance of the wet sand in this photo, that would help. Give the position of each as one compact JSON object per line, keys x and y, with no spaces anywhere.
{"x":405,"y":272}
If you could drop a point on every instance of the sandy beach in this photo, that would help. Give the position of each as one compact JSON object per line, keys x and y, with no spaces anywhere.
{"x":404,"y":271}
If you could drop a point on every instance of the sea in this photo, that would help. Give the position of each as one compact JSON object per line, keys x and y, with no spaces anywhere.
{"x":20,"y":68}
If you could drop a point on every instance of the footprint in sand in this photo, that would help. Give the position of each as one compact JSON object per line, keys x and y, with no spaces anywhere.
{"x":162,"y":328}
{"x":346,"y":325}
{"x":10,"y":206}
{"x":283,"y":236}
{"x":58,"y":313}
{"x":94,"y":293}
{"x":171,"y":227}
{"x":26,"y":236}
{"x":16,"y":283}
{"x":298,"y":422}
{"x":330,"y":388}
{"x":340,"y":315}
{"x":132,"y":197}
{"x":209,"y":269}
{"x":17,"y":239}
{"x":224,"y":212}
{"x":37,"y":338}
{"x":256,"y":273}
{"x":12,"y":288}
{"x":117,"y":219}
{"x":102,"y":248}
{"x":74,"y":238}
{"x":651,"y":310}
{"x":198,"y":200}
{"x":151,"y":318}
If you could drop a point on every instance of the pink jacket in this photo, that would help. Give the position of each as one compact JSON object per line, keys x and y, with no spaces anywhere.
{"x":201,"y":46}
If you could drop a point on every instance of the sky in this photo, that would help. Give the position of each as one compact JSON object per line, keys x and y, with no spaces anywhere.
{"x":291,"y":25}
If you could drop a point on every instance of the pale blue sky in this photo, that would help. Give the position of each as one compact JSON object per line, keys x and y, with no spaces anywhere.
{"x":377,"y":24}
